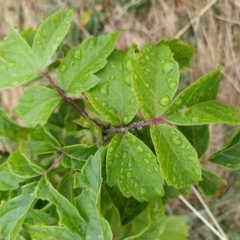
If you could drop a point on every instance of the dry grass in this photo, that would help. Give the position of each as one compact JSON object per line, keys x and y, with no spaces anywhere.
{"x":215,"y":35}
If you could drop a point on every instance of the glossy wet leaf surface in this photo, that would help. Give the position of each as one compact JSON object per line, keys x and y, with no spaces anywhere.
{"x":114,"y":96}
{"x":177,"y":158}
{"x":133,"y":166}
{"x":155,"y":79}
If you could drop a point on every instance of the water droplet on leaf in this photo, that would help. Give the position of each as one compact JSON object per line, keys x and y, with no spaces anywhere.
{"x":129,"y":174}
{"x":112,"y":110}
{"x":125,"y":120}
{"x":77,"y":54}
{"x":125,"y":154}
{"x":131,"y":162}
{"x":113,"y":77}
{"x":142,"y":190}
{"x":63,"y":68}
{"x":176,"y":141}
{"x":172,"y":85}
{"x":128,"y":79}
{"x":167,"y":66}
{"x":139,"y":148}
{"x":104,"y":104}
{"x":164,"y":101}
{"x":104,"y":89}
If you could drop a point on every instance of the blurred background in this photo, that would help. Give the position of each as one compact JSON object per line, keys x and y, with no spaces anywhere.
{"x":212,"y":27}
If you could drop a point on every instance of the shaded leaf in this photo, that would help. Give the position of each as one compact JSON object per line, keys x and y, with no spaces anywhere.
{"x":13,"y":212}
{"x":36,"y":104}
{"x":177,"y":158}
{"x":90,"y":181}
{"x":156,"y":77}
{"x":198,"y":136}
{"x":132,"y":165}
{"x":210,"y":183}
{"x":68,"y":214}
{"x":75,"y":74}
{"x":65,"y":187}
{"x":49,"y":36}
{"x":114,"y":96}
{"x":229,"y":155}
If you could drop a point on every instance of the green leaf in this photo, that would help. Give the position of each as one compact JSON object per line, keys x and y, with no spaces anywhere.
{"x":50,"y":233}
{"x":36,"y":104}
{"x":41,"y":141}
{"x":177,"y":158}
{"x":49,"y":36}
{"x":8,"y":180}
{"x":198,"y":136}
{"x":182,"y":52}
{"x":132,"y":165}
{"x":77,"y":155}
{"x":10,"y":129}
{"x":19,"y":60}
{"x":21,"y":166}
{"x":155,"y":79}
{"x":175,"y":229}
{"x":65,"y":187}
{"x":75,"y":74}
{"x":114,"y":96}
{"x":210,"y":184}
{"x":13,"y":212}
{"x":68,"y":214}
{"x":90,"y":181}
{"x":228,"y":156}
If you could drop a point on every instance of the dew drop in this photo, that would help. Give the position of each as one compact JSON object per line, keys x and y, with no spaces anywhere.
{"x":133,"y":99}
{"x":110,"y":163}
{"x":122,"y":176}
{"x":77,"y":53}
{"x":63,"y":68}
{"x":172,"y":85}
{"x":113,"y":77}
{"x":167,"y":66}
{"x":129,"y":174}
{"x":110,"y":149}
{"x":195,"y":119}
{"x":169,"y":79}
{"x":131,"y":89}
{"x":128,"y":79}
{"x":147,"y":58}
{"x":104,"y":104}
{"x":72,"y":63}
{"x":11,"y":64}
{"x":112,"y":110}
{"x":146,"y":160}
{"x":176,"y":141}
{"x":125,"y":120}
{"x":147,"y":85}
{"x":125,"y":154}
{"x":178,"y":101}
{"x":131,"y":180}
{"x":164,"y":101}
{"x":142,"y":61}
{"x":139,"y":148}
{"x":142,"y":190}
{"x":131,"y":163}
{"x":128,"y":65}
{"x":39,"y":42}
{"x":104,"y":89}
{"x":117,"y":155}
{"x":172,"y":131}
{"x":148,"y":70}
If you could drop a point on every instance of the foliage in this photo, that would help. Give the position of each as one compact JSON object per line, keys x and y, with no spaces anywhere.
{"x":80,"y":170}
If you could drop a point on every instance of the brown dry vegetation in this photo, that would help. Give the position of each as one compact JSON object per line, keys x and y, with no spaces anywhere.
{"x":214,"y":30}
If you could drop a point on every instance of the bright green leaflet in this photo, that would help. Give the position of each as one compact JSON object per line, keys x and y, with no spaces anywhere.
{"x":41,"y":141}
{"x":10,"y":130}
{"x":49,"y":36}
{"x":13,"y":212}
{"x":177,"y":158}
{"x":182,"y":52}
{"x":36,"y":105}
{"x":50,"y":233}
{"x":8,"y":180}
{"x":76,"y":72}
{"x":176,"y":228}
{"x":65,"y":187}
{"x":210,"y":183}
{"x":198,"y":136}
{"x":155,"y":79}
{"x":90,"y":181}
{"x":77,"y":155}
{"x":68,"y":214}
{"x":114,"y":96}
{"x":228,"y":156}
{"x":132,"y":165}
{"x":19,"y":60}
{"x":21,"y":166}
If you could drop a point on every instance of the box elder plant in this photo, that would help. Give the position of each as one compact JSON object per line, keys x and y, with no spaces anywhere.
{"x":106,"y":140}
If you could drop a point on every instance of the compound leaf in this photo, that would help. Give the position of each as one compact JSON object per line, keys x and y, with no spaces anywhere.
{"x":88,"y":202}
{"x":132,"y":165}
{"x":49,"y":35}
{"x":228,"y":156}
{"x":114,"y":96}
{"x":76,"y":72}
{"x":177,"y":158}
{"x":13,"y":212}
{"x":36,"y":105}
{"x":210,"y":184}
{"x":155,"y":79}
{"x":68,"y":214}
{"x":198,"y":136}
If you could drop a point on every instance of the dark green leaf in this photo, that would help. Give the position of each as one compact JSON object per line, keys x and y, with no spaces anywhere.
{"x":68,"y":214}
{"x":75,"y":74}
{"x":229,"y":155}
{"x":36,"y":105}
{"x":177,"y":158}
{"x":13,"y":212}
{"x":155,"y":79}
{"x":114,"y":96}
{"x":21,"y":166}
{"x":132,"y":165}
{"x":210,"y":183}
{"x":198,"y":136}
{"x":90,"y":180}
{"x":49,"y":35}
{"x":65,"y":187}
{"x":182,"y":52}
